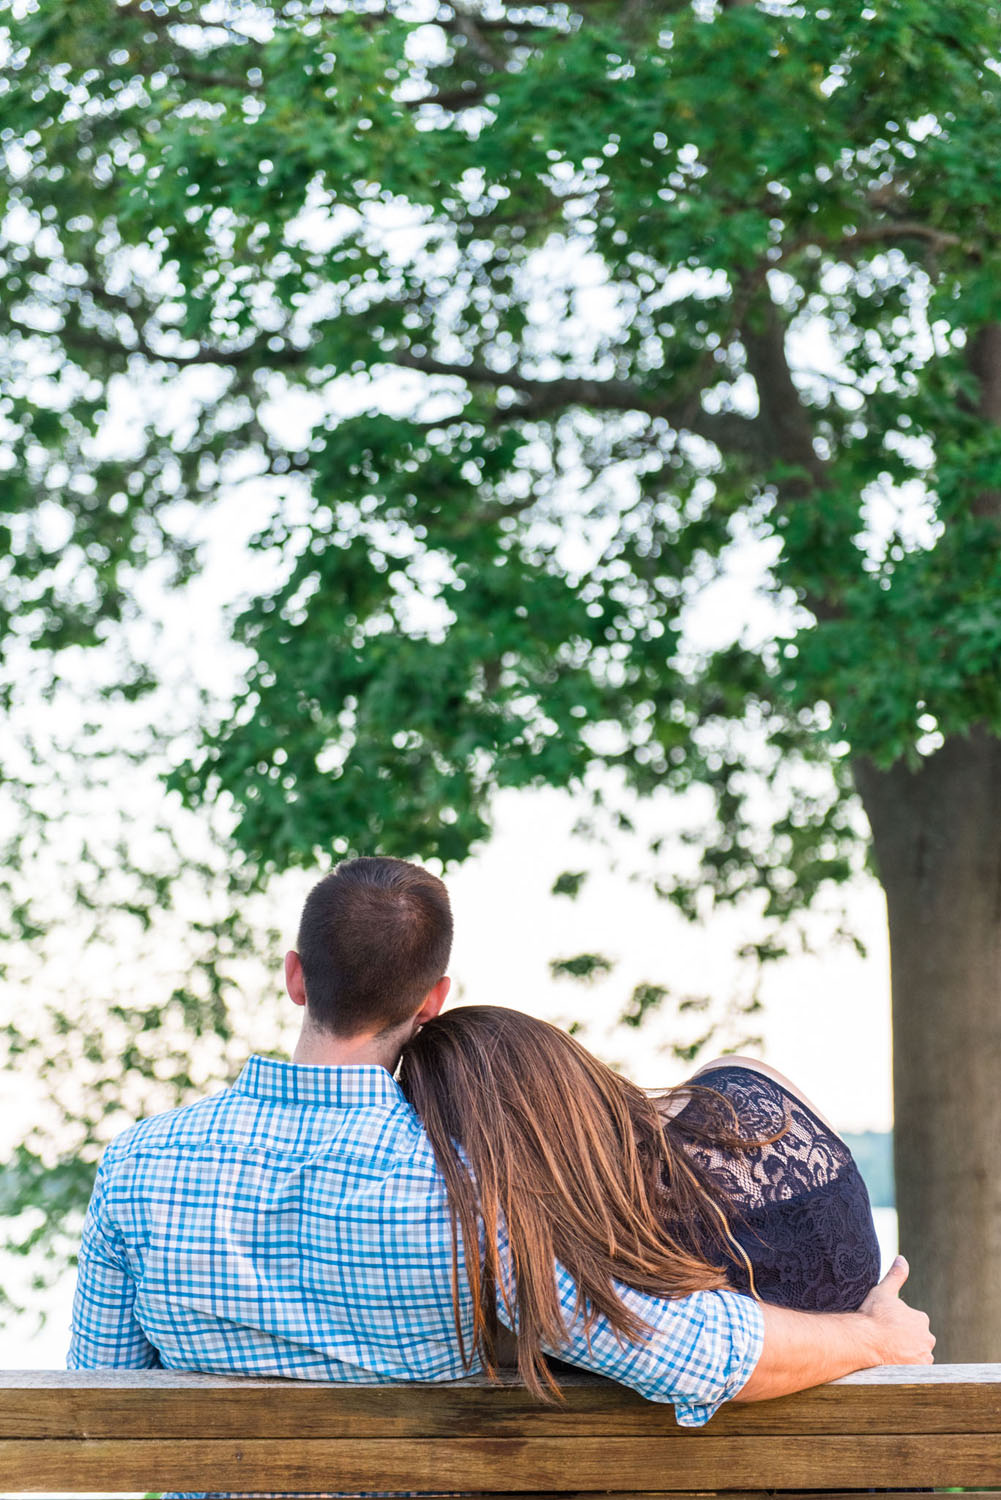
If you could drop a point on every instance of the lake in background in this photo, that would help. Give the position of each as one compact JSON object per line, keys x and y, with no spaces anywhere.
{"x":886,"y":1227}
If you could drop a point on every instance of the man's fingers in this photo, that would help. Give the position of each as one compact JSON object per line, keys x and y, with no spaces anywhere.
{"x":903,"y":1336}
{"x":895,"y":1276}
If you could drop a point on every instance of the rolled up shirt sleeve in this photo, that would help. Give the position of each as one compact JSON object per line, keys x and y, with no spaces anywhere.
{"x":105,"y":1329}
{"x":700,"y":1351}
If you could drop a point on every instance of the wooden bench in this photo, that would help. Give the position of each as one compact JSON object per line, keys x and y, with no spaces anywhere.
{"x":115,"y":1430}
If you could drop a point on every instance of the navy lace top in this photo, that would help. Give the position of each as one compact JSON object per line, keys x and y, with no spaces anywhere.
{"x":797,"y":1206}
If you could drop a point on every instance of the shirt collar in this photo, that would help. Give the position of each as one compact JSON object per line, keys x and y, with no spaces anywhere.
{"x":299,"y":1083}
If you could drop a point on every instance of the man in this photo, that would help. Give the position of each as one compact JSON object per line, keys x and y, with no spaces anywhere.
{"x":296,"y":1224}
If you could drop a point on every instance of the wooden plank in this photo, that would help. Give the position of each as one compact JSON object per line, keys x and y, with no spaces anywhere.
{"x":681,"y":1461}
{"x":921,"y":1407}
{"x":169,"y":1404}
{"x":968,"y":1494}
{"x":210,"y":1408}
{"x":109,"y":1378}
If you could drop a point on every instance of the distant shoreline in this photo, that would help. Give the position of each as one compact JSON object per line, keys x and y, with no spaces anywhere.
{"x":873,"y":1150}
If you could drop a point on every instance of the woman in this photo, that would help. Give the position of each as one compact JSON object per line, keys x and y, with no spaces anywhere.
{"x":731,"y":1180}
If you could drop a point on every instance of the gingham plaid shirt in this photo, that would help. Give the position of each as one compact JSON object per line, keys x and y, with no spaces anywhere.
{"x":297,"y":1225}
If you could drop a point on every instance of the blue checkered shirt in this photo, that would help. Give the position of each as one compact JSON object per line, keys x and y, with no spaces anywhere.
{"x":297,"y":1225}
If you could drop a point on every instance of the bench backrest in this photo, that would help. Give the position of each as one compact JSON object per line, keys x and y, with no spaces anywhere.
{"x":120,"y":1430}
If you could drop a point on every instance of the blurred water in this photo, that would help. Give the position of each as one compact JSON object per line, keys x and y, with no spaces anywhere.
{"x":886,"y":1228}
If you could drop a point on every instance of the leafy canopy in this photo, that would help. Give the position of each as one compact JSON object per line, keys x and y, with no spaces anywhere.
{"x":529,"y":320}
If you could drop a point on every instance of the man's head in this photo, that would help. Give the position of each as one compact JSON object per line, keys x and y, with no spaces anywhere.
{"x":373,"y":946}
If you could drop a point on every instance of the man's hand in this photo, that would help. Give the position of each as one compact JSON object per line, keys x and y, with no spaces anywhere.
{"x":804,"y":1349}
{"x":901,"y":1335}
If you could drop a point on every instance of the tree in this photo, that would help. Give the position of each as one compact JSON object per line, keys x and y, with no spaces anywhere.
{"x":530,"y":318}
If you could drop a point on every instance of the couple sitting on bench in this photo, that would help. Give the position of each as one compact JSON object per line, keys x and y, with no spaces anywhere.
{"x":322,"y":1220}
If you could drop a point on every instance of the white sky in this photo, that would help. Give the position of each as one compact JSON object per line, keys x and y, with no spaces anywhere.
{"x":826,"y":1019}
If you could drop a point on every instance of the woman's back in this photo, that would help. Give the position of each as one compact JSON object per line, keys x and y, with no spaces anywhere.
{"x":797,"y":1205}
{"x":588,"y":1172}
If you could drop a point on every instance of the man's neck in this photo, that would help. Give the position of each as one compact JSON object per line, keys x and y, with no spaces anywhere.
{"x":321,"y":1049}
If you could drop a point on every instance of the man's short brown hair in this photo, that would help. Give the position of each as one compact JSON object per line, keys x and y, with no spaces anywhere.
{"x":374,"y":938}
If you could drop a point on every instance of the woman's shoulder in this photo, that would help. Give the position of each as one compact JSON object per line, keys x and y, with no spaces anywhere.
{"x":789,"y":1149}
{"x":771,"y":1081}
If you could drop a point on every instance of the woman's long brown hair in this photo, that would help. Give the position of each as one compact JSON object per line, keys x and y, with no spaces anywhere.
{"x":574,"y":1163}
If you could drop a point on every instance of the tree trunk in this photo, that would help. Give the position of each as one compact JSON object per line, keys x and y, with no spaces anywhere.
{"x":937,"y":840}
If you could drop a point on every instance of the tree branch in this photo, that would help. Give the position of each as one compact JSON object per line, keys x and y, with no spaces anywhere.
{"x":787,"y":425}
{"x":460,"y":98}
{"x":202,"y":80}
{"x":76,"y":335}
{"x":468,"y":28}
{"x":476,"y":30}
{"x":873,"y":234}
{"x":730,"y":431}
{"x":983,"y":356}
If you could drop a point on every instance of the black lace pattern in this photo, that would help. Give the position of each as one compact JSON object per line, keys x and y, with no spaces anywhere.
{"x":798,"y":1206}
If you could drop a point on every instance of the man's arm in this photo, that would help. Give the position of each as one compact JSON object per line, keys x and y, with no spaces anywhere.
{"x":712,"y":1347}
{"x":105,"y":1330}
{"x":804,"y":1349}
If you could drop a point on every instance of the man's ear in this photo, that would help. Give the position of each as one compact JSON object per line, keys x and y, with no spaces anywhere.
{"x":433,"y":1002}
{"x":294,"y":982}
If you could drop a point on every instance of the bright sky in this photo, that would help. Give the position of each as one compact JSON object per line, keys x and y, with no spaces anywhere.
{"x":826,"y":1019}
